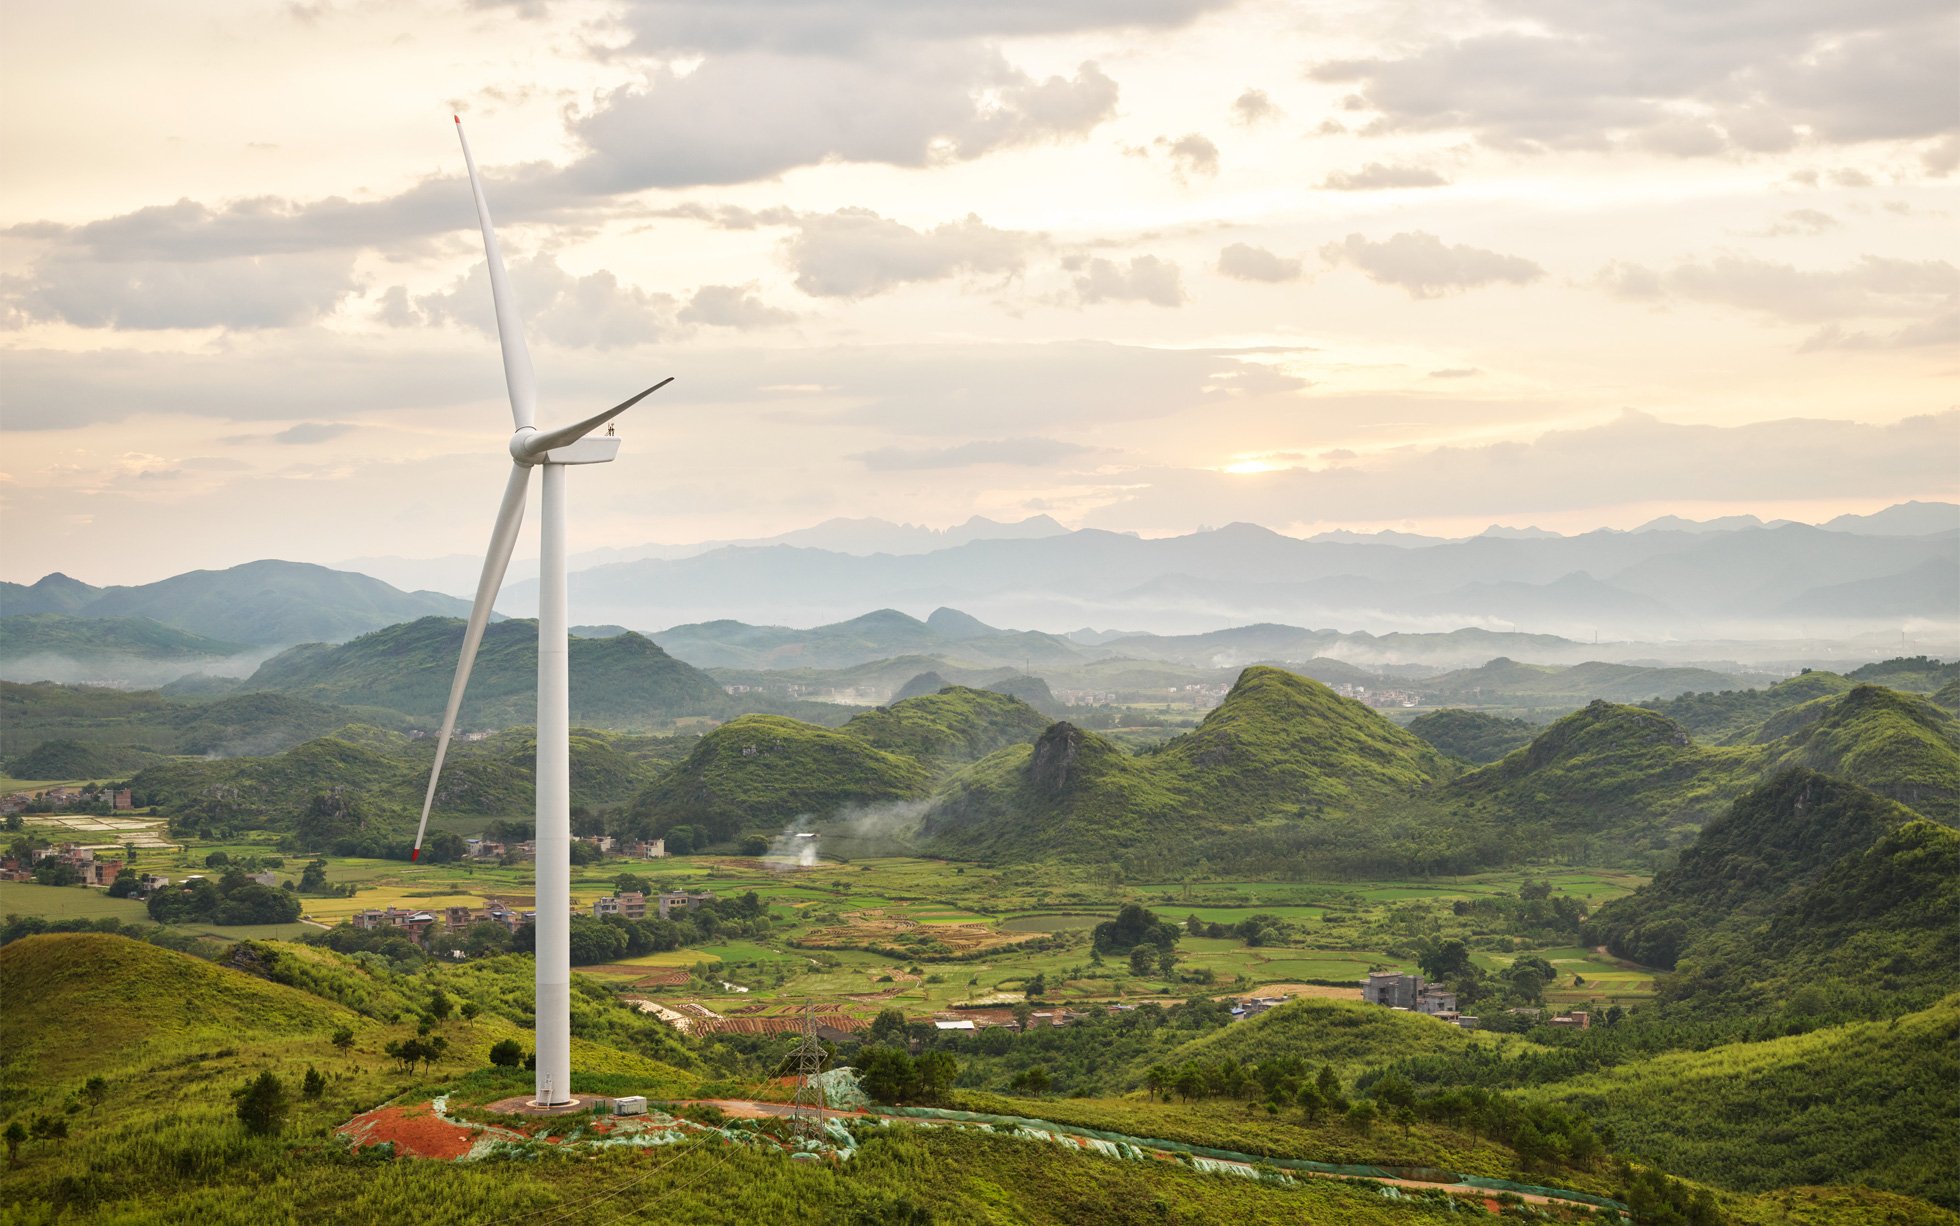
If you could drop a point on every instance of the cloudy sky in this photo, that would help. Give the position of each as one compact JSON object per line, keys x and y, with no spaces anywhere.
{"x":1136,"y":264}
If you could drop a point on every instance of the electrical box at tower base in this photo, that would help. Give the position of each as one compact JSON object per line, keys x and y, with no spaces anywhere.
{"x":632,"y":1104}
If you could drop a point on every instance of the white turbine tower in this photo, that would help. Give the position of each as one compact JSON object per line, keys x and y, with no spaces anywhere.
{"x":553,"y":451}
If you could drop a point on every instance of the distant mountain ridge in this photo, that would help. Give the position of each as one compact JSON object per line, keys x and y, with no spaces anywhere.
{"x":260,"y":604}
{"x":1665,"y":582}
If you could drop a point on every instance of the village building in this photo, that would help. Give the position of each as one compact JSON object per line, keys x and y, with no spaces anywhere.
{"x":631,"y":905}
{"x":681,"y":900}
{"x":1574,"y":1019}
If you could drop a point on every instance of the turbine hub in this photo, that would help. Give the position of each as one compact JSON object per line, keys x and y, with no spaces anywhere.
{"x":517,"y":451}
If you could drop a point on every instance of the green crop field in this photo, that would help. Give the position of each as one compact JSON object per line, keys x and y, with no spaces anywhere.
{"x":66,"y":902}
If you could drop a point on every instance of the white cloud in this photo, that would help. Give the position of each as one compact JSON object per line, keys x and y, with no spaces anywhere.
{"x":846,"y":27}
{"x":1872,"y":287}
{"x":1193,"y":156}
{"x":1145,"y":278}
{"x":1253,"y":107}
{"x":1426,"y":267}
{"x":1676,"y":76}
{"x":755,"y":115}
{"x":244,"y":292}
{"x":732,"y":306}
{"x":854,"y":253}
{"x":594,"y":311}
{"x":1244,"y":262}
{"x":1375,"y":176}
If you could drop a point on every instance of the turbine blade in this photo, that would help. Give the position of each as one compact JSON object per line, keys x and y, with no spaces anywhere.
{"x":518,"y":375}
{"x":503,"y":539}
{"x":538,"y":444}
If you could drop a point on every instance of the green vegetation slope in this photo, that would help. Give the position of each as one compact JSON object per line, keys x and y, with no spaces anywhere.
{"x":623,"y":681}
{"x":761,"y":771}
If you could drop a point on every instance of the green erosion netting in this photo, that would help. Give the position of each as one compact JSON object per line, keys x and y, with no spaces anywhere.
{"x":1119,"y":1142}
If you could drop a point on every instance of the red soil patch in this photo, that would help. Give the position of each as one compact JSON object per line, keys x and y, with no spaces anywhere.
{"x":415,"y":1131}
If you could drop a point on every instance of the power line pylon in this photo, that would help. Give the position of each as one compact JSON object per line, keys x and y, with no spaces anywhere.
{"x":806,"y":1109}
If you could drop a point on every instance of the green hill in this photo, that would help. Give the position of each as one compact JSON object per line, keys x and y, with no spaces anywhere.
{"x":138,"y":999}
{"x":1921,"y":673}
{"x":1810,"y":898}
{"x":1947,"y":697}
{"x":624,"y":681}
{"x":1474,"y":736}
{"x":1351,"y":1036}
{"x":1279,"y":746}
{"x":1898,"y":745}
{"x":1071,"y":793}
{"x":107,"y":720}
{"x":949,"y":727}
{"x":762,"y":771}
{"x":1729,"y":716}
{"x":919,"y":686}
{"x":1029,"y":689}
{"x":1868,"y":1103}
{"x":94,"y":639}
{"x":68,"y":759}
{"x":1622,"y":772}
{"x":378,"y":778}
{"x":1517,"y":683}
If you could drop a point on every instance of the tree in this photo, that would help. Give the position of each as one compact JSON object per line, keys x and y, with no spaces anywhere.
{"x":887,"y":1027}
{"x":583,"y":852}
{"x":1159,"y":1077}
{"x":1142,"y":959}
{"x":217,"y":859}
{"x":262,"y":1105}
{"x":439,"y":1005}
{"x":1023,"y":1014}
{"x":14,"y":1135}
{"x":1167,"y":963}
{"x":1189,"y":1082}
{"x":48,"y":1127}
{"x":470,"y":1010}
{"x":1445,"y":960}
{"x":632,"y":883}
{"x":1311,"y":1103}
{"x":680,"y":841}
{"x":313,"y":1084}
{"x":54,"y":871}
{"x":755,"y":845}
{"x":1329,"y":1087}
{"x":97,"y":1090}
{"x":124,"y":885}
{"x":343,"y":1038}
{"x":1031,"y":1080}
{"x":506,"y":1053}
{"x":1361,"y":1117}
{"x":1038,"y":986}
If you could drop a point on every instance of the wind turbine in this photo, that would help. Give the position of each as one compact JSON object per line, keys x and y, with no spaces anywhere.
{"x":553,"y":451}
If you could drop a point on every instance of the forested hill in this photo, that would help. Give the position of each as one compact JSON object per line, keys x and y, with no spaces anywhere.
{"x":1279,"y":747}
{"x":1807,"y":883}
{"x":624,"y":681}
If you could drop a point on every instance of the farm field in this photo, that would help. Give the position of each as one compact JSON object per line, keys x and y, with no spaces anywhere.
{"x":925,"y":936}
{"x":66,"y":902}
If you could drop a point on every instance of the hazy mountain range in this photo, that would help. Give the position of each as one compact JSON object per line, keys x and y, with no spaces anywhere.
{"x":1732,"y":593}
{"x":1744,"y":580}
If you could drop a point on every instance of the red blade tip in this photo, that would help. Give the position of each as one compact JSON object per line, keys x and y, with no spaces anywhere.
{"x":414,"y":854}
{"x":457,"y":118}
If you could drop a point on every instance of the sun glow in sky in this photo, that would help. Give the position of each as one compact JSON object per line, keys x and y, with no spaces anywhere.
{"x":1141,"y":265}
